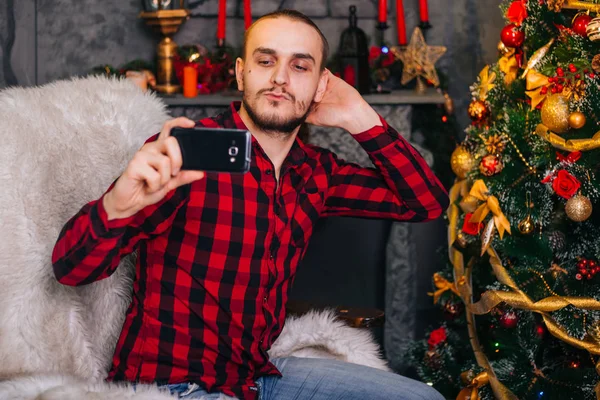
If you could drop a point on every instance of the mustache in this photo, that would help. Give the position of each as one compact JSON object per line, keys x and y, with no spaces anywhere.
{"x":288,"y":95}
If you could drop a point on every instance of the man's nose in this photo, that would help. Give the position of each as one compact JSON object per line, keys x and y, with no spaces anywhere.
{"x":280,"y":75}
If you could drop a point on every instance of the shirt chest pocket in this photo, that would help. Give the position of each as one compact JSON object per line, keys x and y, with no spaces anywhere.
{"x":307,"y":208}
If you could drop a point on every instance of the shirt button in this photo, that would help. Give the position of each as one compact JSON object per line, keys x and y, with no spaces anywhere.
{"x":265,"y":299}
{"x":271,"y":256}
{"x":269,"y":172}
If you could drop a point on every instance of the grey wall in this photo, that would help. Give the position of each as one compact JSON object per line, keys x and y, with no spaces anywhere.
{"x":44,"y":40}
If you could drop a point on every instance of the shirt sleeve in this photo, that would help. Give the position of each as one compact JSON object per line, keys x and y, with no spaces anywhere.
{"x":400,"y":187}
{"x":89,"y":246}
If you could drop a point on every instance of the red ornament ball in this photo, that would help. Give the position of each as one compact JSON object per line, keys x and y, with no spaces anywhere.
{"x":490,"y":165}
{"x":580,"y":24}
{"x":511,"y":36}
{"x":509,"y":320}
{"x":452,"y":310}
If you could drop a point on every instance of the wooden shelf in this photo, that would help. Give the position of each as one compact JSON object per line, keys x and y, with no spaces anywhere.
{"x":398,"y":97}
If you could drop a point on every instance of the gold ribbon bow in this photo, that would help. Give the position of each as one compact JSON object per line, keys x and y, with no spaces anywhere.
{"x":509,"y":66}
{"x":471,"y":392}
{"x":486,"y":82}
{"x":442,"y":285}
{"x":534,"y":84}
{"x":480,"y":191}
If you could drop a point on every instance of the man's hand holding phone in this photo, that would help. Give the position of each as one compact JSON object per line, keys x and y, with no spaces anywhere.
{"x":153,"y":172}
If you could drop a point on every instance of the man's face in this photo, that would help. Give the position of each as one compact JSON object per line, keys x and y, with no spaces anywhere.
{"x":281,"y":74}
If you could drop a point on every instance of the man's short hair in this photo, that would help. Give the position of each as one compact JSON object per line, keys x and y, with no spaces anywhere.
{"x":295,"y":16}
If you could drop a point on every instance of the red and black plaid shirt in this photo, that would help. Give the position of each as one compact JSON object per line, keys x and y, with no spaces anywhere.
{"x":217,"y":257}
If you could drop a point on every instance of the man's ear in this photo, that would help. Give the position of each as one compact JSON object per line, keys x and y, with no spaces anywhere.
{"x":323,"y":80}
{"x":239,"y":73}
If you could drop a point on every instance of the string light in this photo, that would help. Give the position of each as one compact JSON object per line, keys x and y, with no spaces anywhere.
{"x":430,"y":383}
{"x":385,"y":50}
{"x":540,"y":330}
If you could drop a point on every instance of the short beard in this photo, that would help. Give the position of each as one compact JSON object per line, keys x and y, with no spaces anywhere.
{"x":272,"y":125}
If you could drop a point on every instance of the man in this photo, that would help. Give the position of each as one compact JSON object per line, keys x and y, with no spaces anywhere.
{"x":218,"y":252}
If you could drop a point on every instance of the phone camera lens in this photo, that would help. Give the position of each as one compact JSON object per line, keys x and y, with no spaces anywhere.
{"x":233,"y":151}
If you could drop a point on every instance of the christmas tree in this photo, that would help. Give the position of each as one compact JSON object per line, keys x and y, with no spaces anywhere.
{"x":520,"y":294}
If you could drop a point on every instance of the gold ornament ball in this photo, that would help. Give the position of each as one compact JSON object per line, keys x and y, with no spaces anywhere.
{"x":577,"y":120}
{"x":478,"y":111}
{"x":461,"y":162}
{"x":526,"y":226}
{"x":555,"y":113}
{"x":578,"y":208}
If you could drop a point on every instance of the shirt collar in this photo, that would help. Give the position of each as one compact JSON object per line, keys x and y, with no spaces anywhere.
{"x":295,"y":157}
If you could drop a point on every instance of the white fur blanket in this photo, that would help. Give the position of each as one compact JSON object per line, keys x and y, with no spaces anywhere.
{"x":62,"y":146}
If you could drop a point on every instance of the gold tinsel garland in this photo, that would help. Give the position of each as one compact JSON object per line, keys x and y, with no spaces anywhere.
{"x":575,"y":5}
{"x":515,"y":298}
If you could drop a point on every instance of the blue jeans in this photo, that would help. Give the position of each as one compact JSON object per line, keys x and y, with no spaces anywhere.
{"x":320,"y":379}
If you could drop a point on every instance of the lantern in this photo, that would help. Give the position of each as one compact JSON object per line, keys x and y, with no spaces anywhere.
{"x":354,"y":56}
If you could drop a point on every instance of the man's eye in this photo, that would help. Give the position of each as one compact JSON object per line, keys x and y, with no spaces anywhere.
{"x":264,"y":62}
{"x":299,"y":68}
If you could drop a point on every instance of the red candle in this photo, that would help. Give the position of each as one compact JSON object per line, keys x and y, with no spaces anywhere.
{"x":423,"y":11}
{"x":382,"y":11}
{"x":401,"y":25}
{"x":247,"y":14}
{"x":190,"y":81}
{"x":221,"y":20}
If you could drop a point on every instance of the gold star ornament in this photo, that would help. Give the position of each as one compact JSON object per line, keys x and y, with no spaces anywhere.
{"x":419,"y":59}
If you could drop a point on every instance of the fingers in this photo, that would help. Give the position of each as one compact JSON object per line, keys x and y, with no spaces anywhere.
{"x":158,"y":163}
{"x":181,"y":122}
{"x":144,"y":172}
{"x":185,"y":177}
{"x":162,"y":164}
{"x":170,"y":147}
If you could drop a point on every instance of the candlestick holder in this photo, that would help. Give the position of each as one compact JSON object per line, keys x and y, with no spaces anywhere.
{"x":166,"y":23}
{"x":381,"y":27}
{"x":424,"y":25}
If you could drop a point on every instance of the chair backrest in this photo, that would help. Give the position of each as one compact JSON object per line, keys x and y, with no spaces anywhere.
{"x":345,"y":264}
{"x":62,"y":145}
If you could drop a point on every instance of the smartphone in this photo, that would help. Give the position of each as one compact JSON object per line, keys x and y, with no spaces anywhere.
{"x":214,"y":149}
